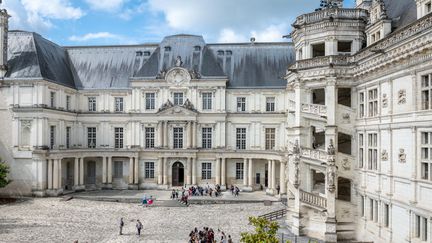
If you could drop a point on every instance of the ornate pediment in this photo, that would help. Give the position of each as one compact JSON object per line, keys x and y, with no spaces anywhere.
{"x":178,"y":74}
{"x":186,"y":109}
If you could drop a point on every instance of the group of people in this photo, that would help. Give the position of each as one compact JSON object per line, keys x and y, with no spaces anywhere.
{"x":207,"y":235}
{"x":234,"y":190}
{"x":147,"y":201}
{"x":138,"y":226}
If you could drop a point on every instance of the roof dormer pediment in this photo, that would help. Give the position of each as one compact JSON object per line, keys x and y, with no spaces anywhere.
{"x":187,"y":109}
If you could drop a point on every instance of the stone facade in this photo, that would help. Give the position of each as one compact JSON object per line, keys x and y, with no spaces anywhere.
{"x":345,"y":133}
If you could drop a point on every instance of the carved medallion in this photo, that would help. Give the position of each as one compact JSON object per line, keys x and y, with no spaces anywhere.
{"x":178,"y":76}
{"x":402,"y":156}
{"x":384,"y":155}
{"x":401,"y":97}
{"x":384,"y":101}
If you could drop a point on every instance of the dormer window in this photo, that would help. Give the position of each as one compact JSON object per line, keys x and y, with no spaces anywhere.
{"x":167,"y":48}
{"x":220,"y":53}
{"x":197,"y":48}
{"x":428,"y":7}
{"x":146,"y":53}
{"x":228,"y":53}
{"x":139,"y":53}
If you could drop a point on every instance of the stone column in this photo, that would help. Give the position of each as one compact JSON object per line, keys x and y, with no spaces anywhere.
{"x":131,"y":170}
{"x":194,"y":132}
{"x":251,"y":182}
{"x":245,"y":166}
{"x":223,"y":176}
{"x":81,"y":171}
{"x":160,"y":134}
{"x":56,"y":174}
{"x":165,"y":132}
{"x":189,"y":170}
{"x":109,"y":170}
{"x":104,"y":170}
{"x":136,"y":171}
{"x":188,"y":137}
{"x":165,"y":170}
{"x":76,"y":172}
{"x":282,"y":182}
{"x":194,"y":168}
{"x":50,"y":174}
{"x":218,"y":172}
{"x":269,"y":174}
{"x":273,"y":175}
{"x":160,"y":168}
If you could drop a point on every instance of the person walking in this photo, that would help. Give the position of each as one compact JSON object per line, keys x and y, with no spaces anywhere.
{"x":278,"y":189}
{"x":139,"y":227}
{"x":121,"y":226}
{"x":229,"y":239}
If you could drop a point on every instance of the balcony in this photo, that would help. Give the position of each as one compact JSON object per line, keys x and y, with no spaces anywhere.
{"x":332,"y":13}
{"x":313,"y":200}
{"x":321,"y":62}
{"x":315,"y":109}
{"x":314,"y":154}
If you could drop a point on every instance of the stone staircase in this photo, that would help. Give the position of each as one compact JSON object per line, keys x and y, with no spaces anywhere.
{"x":345,"y":231}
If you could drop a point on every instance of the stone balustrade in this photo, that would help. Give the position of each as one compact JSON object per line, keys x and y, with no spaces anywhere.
{"x":319,"y":62}
{"x":320,"y":110}
{"x":313,"y":199}
{"x":335,"y":13}
{"x":316,"y":154}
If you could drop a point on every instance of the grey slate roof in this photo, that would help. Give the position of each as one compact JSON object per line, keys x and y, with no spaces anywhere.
{"x":31,"y":56}
{"x":401,"y":12}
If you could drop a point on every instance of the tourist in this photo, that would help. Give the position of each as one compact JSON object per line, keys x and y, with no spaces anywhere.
{"x":223,"y":238}
{"x":150,"y":201}
{"x":173,"y":194}
{"x":278,"y":189}
{"x":121,"y":226}
{"x":229,"y":239}
{"x":232,"y":190}
{"x":176,"y":193}
{"x":237,"y":190}
{"x":139,"y":227}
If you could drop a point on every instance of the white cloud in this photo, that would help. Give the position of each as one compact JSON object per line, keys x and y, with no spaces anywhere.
{"x":228,"y":20}
{"x":106,"y":5}
{"x":37,"y":15}
{"x":94,"y":36}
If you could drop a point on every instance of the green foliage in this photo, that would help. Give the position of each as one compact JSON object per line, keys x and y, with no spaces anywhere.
{"x":4,"y":171}
{"x":265,"y":231}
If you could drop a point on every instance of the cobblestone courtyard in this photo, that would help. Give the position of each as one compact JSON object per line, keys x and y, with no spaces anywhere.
{"x":52,"y":220}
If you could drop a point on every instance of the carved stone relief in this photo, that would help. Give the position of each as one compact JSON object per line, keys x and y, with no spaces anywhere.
{"x":402,"y":156}
{"x":384,"y":101}
{"x":401,"y":97}
{"x":384,"y":155}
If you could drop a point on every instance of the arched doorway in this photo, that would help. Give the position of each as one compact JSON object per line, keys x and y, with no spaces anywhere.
{"x":177,"y":174}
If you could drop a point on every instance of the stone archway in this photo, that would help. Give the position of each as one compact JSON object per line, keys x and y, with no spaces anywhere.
{"x":177,"y":175}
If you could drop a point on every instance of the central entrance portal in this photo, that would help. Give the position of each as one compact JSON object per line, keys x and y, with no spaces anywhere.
{"x":177,"y":174}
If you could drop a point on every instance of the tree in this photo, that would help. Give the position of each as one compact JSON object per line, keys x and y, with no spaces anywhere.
{"x":4,"y":171}
{"x":265,"y":231}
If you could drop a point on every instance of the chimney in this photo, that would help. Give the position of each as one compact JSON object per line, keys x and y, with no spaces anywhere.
{"x":4,"y":25}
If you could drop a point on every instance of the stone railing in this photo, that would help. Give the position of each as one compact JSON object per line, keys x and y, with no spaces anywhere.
{"x":313,"y":199}
{"x":335,"y":13}
{"x":325,"y":61}
{"x":316,"y":154}
{"x":320,"y":110}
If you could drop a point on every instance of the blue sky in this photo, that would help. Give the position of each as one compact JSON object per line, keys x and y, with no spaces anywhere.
{"x":105,"y":22}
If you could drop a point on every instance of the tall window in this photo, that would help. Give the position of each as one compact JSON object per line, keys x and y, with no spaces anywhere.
{"x":68,"y":136}
{"x":386,"y":219}
{"x":207,"y":101}
{"x":52,"y":137}
{"x":373,"y":102}
{"x":206,"y":171}
{"x":239,"y":171}
{"x":92,"y":103}
{"x":421,"y":227}
{"x":426,"y":91}
{"x":118,"y":137}
{"x":361,"y":150}
{"x":241,"y":103}
{"x":270,"y":134}
{"x":150,"y":101}
{"x":118,"y":102}
{"x":149,"y":137}
{"x":206,"y":137}
{"x":178,"y":137}
{"x":68,"y":102}
{"x":372,"y":151}
{"x":178,"y":98}
{"x":118,"y":169}
{"x":149,"y":170}
{"x":241,"y":138}
{"x":52,"y":99}
{"x":426,"y":157}
{"x":361,"y":104}
{"x":91,"y":137}
{"x":270,"y":104}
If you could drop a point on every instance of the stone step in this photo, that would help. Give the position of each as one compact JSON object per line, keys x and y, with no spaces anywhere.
{"x":345,"y":234}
